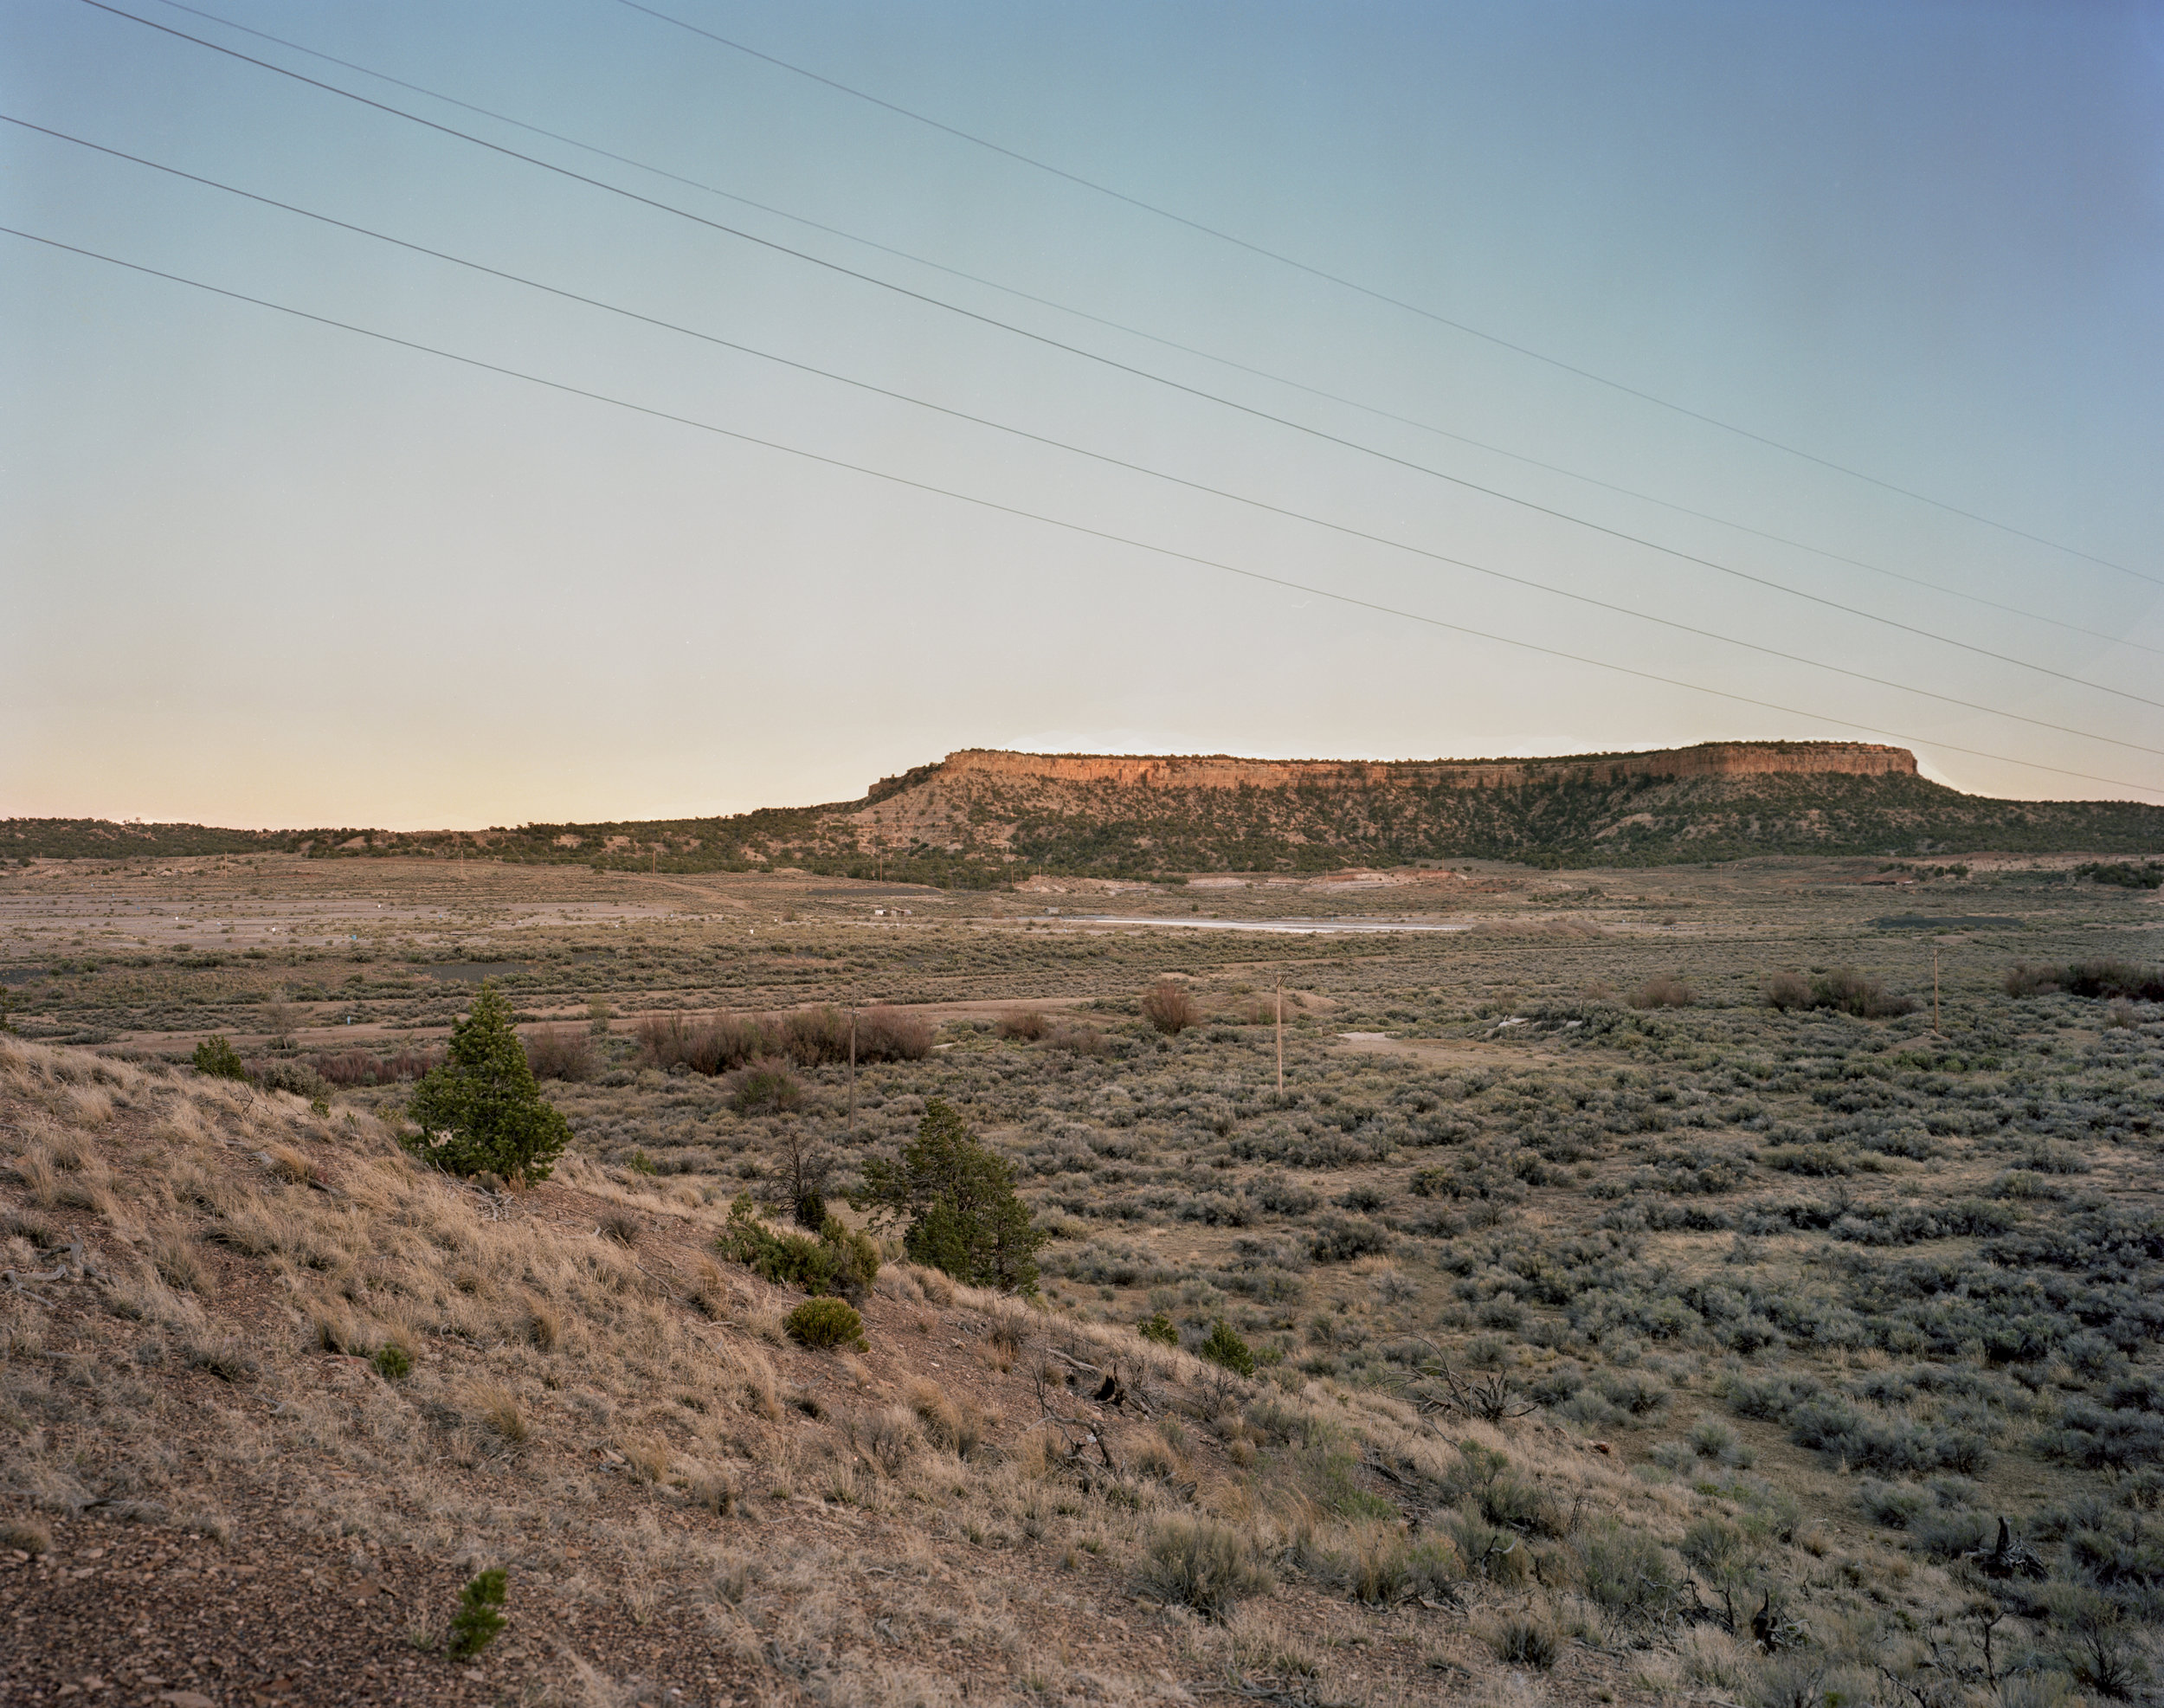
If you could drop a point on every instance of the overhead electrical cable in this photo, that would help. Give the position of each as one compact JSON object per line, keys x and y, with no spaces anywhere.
{"x":1097,"y":456}
{"x":1084,"y":529}
{"x":1373,"y":294}
{"x":1078,"y":351}
{"x":1233,"y":363}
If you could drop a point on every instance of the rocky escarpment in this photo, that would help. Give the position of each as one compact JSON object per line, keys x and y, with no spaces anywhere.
{"x":1119,"y":813}
{"x":1217,"y":770}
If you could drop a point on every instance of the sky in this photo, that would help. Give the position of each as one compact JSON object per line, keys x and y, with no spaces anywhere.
{"x":1566,"y":375}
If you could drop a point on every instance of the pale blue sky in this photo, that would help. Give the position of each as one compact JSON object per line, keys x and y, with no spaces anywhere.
{"x":257,"y":571}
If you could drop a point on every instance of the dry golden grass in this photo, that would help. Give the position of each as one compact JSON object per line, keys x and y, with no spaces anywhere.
{"x":556,"y":1375}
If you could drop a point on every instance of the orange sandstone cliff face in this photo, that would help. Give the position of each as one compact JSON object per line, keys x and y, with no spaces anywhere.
{"x":1717,"y":759}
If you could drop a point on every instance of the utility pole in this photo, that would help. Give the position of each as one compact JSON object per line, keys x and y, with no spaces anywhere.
{"x":1280,"y":1035}
{"x":852,"y":1073}
{"x":1934,"y":992}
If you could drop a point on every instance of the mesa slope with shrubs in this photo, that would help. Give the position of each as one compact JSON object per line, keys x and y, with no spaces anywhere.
{"x":1636,"y":1302}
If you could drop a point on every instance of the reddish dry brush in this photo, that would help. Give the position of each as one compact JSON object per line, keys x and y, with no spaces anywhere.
{"x":892,"y":1035}
{"x":1843,"y":989}
{"x":2120,"y":981}
{"x":809,"y":1037}
{"x":365,"y":1067}
{"x":564,"y":1052}
{"x":1170,"y":1006}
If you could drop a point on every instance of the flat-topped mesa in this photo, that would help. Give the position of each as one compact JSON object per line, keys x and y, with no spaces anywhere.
{"x":1708,"y":759}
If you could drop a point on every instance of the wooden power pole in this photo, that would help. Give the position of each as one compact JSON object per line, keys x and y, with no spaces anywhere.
{"x":852,"y":1073}
{"x":1934,"y":992}
{"x":1281,"y":1034}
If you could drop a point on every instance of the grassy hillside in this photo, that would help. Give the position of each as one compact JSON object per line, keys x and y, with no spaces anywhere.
{"x":275,"y":1392}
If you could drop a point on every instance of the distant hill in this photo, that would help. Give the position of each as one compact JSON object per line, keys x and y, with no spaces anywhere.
{"x":979,"y":813}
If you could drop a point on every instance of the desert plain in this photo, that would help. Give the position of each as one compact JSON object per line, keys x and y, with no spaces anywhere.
{"x":1684,"y":1283}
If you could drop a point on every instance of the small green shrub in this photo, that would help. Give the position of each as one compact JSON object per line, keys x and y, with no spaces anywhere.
{"x":1203,"y":1564}
{"x":474,"y":1625}
{"x":215,"y":1059}
{"x":823,"y":1323}
{"x":296,"y":1077}
{"x":1224,"y":1347}
{"x":1161,"y":1328}
{"x":1339,"y":1239}
{"x":1521,"y":1640}
{"x":764,"y":1088}
{"x":1509,"y":1504}
{"x":392,"y":1363}
{"x":31,"y":1538}
{"x":1377,"y":1562}
{"x":840,"y":1261}
{"x":1629,"y":1574}
{"x":1843,"y":989}
{"x":2149,"y":875}
{"x":1723,"y":1555}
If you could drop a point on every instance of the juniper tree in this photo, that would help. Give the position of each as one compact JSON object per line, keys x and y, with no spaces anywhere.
{"x":958,"y":1199}
{"x":481,"y":1110}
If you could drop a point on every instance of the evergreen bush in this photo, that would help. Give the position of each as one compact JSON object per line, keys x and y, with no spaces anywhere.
{"x":840,"y":1261}
{"x":958,"y":1198}
{"x":481,"y":1111}
{"x":825,"y":1323}
{"x":1224,"y":1347}
{"x":474,"y":1625}
{"x":217,"y":1059}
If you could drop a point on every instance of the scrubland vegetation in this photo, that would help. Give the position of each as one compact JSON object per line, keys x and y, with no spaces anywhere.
{"x":1632,"y":1297}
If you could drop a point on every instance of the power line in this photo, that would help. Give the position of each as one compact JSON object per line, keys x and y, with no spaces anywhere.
{"x":1375,"y":296}
{"x":1174,"y":343}
{"x":1144,"y":374}
{"x":1081,"y":528}
{"x":1121,"y":327}
{"x":1097,"y":456}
